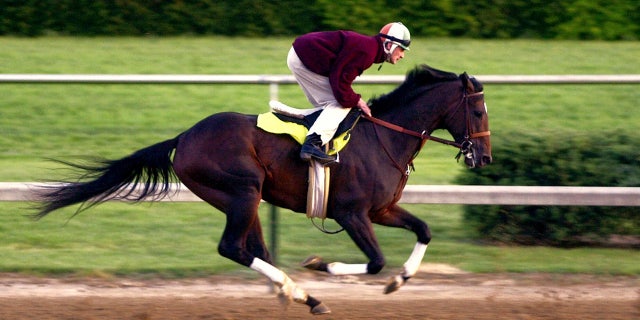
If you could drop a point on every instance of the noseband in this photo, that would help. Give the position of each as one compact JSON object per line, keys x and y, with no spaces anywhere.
{"x":466,"y":149}
{"x":465,"y":146}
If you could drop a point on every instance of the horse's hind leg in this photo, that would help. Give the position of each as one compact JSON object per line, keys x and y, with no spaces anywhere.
{"x":240,"y":234}
{"x":242,"y":241}
{"x":255,"y":242}
{"x":233,"y":186}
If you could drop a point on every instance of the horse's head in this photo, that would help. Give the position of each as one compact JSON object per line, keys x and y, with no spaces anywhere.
{"x":468,"y":123}
{"x":431,"y":99}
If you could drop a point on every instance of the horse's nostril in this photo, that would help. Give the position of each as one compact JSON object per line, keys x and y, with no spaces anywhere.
{"x":487,"y":159}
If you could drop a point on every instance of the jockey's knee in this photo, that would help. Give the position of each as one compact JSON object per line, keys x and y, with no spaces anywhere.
{"x":375,"y":266}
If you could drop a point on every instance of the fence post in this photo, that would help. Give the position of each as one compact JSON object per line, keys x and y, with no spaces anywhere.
{"x":273,"y":90}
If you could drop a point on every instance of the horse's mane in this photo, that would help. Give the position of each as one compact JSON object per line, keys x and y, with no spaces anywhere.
{"x":415,"y":82}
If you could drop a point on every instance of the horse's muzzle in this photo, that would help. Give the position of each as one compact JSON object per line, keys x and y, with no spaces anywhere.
{"x":485,"y":160}
{"x":474,"y":160}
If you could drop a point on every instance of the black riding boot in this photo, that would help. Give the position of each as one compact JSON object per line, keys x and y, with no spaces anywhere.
{"x":312,"y":148}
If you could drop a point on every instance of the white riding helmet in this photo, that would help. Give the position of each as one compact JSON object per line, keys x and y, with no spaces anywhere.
{"x":397,"y":34}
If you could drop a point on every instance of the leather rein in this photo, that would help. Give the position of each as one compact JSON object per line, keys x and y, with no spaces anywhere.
{"x":465,"y":146}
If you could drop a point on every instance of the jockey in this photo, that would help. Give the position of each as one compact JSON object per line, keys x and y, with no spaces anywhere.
{"x":325,"y":64}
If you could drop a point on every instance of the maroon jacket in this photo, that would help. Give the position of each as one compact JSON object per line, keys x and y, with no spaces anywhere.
{"x":341,"y":56}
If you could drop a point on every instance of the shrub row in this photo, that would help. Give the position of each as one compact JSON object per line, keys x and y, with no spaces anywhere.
{"x":568,"y":19}
{"x":611,"y":159}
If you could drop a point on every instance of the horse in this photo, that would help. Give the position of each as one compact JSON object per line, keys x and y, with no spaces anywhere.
{"x":232,"y":165}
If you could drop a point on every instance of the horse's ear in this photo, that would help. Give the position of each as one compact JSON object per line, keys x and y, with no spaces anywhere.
{"x":467,"y":83}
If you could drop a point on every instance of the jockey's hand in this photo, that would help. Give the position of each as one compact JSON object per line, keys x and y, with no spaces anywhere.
{"x":364,"y":107}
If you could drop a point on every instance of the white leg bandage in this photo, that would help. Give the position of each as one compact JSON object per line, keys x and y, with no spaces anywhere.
{"x":412,"y":265}
{"x":289,"y":289}
{"x":339,"y":268}
{"x":269,"y":271}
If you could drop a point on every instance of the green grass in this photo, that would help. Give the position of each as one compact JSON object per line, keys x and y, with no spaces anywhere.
{"x":180,"y":239}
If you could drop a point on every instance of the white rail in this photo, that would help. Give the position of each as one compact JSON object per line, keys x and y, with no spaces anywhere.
{"x":289,"y":79}
{"x":434,"y":194}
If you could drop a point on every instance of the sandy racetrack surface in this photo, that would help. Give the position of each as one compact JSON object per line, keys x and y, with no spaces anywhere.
{"x":444,"y":295}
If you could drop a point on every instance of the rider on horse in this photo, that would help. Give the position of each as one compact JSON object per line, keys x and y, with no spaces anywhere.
{"x":325,"y":64}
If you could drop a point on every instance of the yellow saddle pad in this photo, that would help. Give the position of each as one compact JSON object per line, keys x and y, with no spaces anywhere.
{"x":270,"y":123}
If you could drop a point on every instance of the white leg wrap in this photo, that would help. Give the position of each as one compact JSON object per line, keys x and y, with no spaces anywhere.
{"x":412,"y":265}
{"x":339,"y":268}
{"x":271,"y":272}
{"x":288,"y":288}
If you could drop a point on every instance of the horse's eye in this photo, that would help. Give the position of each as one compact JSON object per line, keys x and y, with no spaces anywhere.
{"x":477,"y":114}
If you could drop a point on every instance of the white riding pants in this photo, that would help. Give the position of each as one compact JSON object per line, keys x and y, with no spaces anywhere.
{"x":318,"y":91}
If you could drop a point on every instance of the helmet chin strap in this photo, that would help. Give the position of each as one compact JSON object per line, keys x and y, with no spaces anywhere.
{"x":388,"y":52}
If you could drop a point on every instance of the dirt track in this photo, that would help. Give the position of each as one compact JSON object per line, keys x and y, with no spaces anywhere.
{"x":427,"y":296}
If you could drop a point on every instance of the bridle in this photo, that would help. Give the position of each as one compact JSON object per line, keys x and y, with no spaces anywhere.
{"x":465,"y":147}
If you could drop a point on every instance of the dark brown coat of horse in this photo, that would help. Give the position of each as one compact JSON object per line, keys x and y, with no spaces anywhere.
{"x":231,"y":164}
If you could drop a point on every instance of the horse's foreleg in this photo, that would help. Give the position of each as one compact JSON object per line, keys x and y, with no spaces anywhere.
{"x":400,"y":218}
{"x":410,"y":268}
{"x":361,"y":232}
{"x":334,"y":268}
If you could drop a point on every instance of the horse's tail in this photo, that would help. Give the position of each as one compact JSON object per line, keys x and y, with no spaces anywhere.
{"x":145,"y":173}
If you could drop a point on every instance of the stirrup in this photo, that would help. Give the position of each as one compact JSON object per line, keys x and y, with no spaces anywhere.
{"x":318,"y":156}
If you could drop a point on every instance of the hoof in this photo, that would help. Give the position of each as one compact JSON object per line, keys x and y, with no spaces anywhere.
{"x":394,"y":284}
{"x":320,"y":309}
{"x":313,"y":263}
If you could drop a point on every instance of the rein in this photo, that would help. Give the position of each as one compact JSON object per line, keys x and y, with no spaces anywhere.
{"x":400,"y":129}
{"x":465,"y":146}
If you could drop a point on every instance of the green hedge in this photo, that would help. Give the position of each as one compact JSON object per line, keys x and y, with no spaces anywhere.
{"x":567,"y":19}
{"x":597,"y":159}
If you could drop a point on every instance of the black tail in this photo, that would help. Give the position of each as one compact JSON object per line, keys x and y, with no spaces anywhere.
{"x":146,"y":173}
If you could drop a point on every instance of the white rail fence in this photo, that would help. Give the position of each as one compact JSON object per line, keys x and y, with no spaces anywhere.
{"x":428,"y":194}
{"x":289,"y":79}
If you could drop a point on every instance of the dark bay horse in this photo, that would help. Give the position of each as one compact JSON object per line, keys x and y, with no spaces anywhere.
{"x":231,"y":164}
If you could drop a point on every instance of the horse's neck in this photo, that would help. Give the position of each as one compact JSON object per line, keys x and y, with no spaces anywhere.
{"x":426,"y":121}
{"x":425,"y":113}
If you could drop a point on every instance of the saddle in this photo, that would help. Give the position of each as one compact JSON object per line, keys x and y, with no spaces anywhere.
{"x":284,"y":119}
